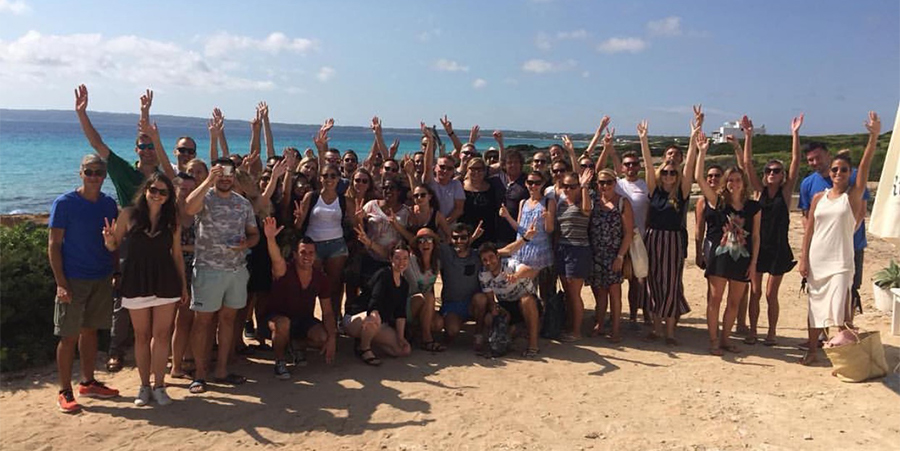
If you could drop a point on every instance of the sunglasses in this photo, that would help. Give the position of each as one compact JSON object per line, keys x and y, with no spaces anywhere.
{"x":841,"y":169}
{"x":469,"y":153}
{"x":631,"y":164}
{"x":94,"y":172}
{"x":773,"y":170}
{"x":350,"y":160}
{"x":533,"y":182}
{"x":388,"y":187}
{"x":539,"y":161}
{"x":392,"y":169}
{"x":585,"y":165}
{"x":714,"y":175}
{"x":425,"y":239}
{"x":445,"y":167}
{"x":186,"y":150}
{"x":158,"y":191}
{"x":146,"y":146}
{"x":330,"y":175}
{"x":606,"y":182}
{"x":361,"y":181}
{"x":559,"y":171}
{"x":672,"y":173}
{"x":571,"y":186}
{"x":459,"y":237}
{"x":420,"y":195}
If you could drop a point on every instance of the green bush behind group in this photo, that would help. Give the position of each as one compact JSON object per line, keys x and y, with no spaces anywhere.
{"x":27,"y":288}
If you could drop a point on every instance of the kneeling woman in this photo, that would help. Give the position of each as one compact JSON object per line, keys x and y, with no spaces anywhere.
{"x":378,"y":315}
{"x":153,"y":279}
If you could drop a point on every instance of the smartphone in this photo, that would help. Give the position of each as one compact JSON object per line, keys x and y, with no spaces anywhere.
{"x":227,"y":170}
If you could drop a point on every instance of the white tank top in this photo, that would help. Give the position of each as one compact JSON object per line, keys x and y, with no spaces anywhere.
{"x":831,"y":247}
{"x":325,"y":221}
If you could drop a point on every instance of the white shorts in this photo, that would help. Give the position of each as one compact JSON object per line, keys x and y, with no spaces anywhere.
{"x":146,"y":302}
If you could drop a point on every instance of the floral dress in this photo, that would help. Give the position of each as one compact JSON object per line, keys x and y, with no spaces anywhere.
{"x":731,"y":244}
{"x":606,"y":233}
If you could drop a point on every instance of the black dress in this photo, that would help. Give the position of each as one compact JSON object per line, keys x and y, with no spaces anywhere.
{"x":775,"y":255}
{"x":149,"y":270}
{"x":484,"y":207}
{"x":731,"y":243}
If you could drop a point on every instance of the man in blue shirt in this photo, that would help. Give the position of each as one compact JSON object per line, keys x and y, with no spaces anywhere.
{"x":819,"y":160}
{"x":83,"y":268}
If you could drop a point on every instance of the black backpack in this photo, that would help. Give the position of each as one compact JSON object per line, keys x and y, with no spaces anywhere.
{"x":313,"y":200}
{"x":554,"y":316}
{"x":498,"y":340}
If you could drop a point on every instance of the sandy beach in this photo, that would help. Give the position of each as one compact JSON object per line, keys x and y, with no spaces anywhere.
{"x":587,"y":395}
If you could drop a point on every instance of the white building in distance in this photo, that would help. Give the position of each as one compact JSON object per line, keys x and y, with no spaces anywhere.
{"x":734,"y":129}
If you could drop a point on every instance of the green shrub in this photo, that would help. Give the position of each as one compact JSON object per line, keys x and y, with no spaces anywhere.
{"x":26,"y":297}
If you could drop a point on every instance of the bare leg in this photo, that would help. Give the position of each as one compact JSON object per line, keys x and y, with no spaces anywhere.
{"x":601,"y":300}
{"x":184,"y":319}
{"x":716,"y":286}
{"x":576,"y":304}
{"x":87,"y":350}
{"x":742,"y":311}
{"x":227,"y":323}
{"x":65,"y":360}
{"x":615,"y":301}
{"x":477,"y":309}
{"x":161,"y":327}
{"x":755,"y":295}
{"x":813,"y":342}
{"x":281,"y":335}
{"x":736,"y":291}
{"x":772,"y":287}
{"x":530,"y":312}
{"x":200,"y":332}
{"x":141,"y":321}
{"x":334,"y":270}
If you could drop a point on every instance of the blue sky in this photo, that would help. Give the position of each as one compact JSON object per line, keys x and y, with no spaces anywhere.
{"x":548,"y":65}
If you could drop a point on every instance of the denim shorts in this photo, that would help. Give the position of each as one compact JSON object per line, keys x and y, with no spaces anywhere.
{"x":331,"y":249}
{"x":574,"y":261}
{"x":212,"y":289}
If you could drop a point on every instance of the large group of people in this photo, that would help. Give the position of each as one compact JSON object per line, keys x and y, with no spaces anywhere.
{"x":293,"y":250}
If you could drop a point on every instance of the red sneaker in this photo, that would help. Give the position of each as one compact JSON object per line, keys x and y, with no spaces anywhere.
{"x":66,"y":402}
{"x":95,"y":389}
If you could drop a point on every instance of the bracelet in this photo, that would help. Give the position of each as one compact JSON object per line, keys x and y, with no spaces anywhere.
{"x":451,"y":134}
{"x":525,"y":238}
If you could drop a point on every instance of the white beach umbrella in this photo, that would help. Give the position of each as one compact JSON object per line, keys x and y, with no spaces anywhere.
{"x":885,"y":220}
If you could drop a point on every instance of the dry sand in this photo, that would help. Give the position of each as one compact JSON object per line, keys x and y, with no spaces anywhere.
{"x":588,"y":395}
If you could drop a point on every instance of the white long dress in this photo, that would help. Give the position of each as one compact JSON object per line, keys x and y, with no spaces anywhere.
{"x":831,"y":261}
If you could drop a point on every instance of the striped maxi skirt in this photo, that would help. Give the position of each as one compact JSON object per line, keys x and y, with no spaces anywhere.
{"x":666,"y":254}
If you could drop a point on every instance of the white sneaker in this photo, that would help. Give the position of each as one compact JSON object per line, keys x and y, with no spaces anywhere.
{"x":143,"y":397}
{"x":161,"y":397}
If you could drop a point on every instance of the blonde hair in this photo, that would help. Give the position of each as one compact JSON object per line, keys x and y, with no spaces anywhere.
{"x":474,"y":160}
{"x":723,"y":186}
{"x":678,"y":175}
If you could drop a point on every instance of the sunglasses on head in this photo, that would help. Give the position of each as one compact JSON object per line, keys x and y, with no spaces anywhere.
{"x":841,"y":169}
{"x":361,"y":181}
{"x":185,"y":150}
{"x":420,"y":195}
{"x":774,"y":170}
{"x":531,"y":182}
{"x":606,"y":182}
{"x":330,"y":175}
{"x":158,"y":191}
{"x":672,"y":172}
{"x":146,"y":146}
{"x":94,"y":172}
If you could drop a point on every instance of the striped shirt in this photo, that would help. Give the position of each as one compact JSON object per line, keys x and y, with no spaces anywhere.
{"x":573,"y":224}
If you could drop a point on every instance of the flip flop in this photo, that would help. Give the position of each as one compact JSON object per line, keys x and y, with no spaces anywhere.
{"x":197,"y":386}
{"x":432,"y":346}
{"x":231,"y":379}
{"x":531,"y":353}
{"x":114,"y":364}
{"x":731,"y":348}
{"x":770,"y":342}
{"x":751,"y":340}
{"x":184,"y":375}
{"x":371,"y":361}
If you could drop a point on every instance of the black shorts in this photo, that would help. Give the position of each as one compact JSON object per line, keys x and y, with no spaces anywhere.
{"x":300,"y":326}
{"x":515,"y":311}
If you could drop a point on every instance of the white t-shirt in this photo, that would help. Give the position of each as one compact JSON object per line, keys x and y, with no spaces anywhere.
{"x":325,"y":221}
{"x":379,"y":228}
{"x":639,"y":195}
{"x":448,"y":194}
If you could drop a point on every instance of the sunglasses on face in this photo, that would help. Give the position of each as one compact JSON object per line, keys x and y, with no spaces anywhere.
{"x":459,"y":237}
{"x":350,"y":160}
{"x":186,"y":150}
{"x":559,"y":171}
{"x":671,"y":173}
{"x":533,"y":182}
{"x":388,"y":187}
{"x":146,"y":146}
{"x":469,"y":153}
{"x":571,"y":186}
{"x":425,"y":239}
{"x":420,"y":195}
{"x":539,"y":161}
{"x":392,"y":169}
{"x":158,"y":191}
{"x":631,"y":164}
{"x":841,"y":169}
{"x":773,"y":170}
{"x":585,"y":165}
{"x":361,"y":181}
{"x":330,"y":176}
{"x":444,"y":167}
{"x":605,"y":182}
{"x":94,"y":172}
{"x":713,"y":175}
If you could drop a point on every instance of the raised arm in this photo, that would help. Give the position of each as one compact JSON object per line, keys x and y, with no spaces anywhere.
{"x":151,"y":130}
{"x":379,"y":137}
{"x":703,"y":145}
{"x":287,"y":188}
{"x":873,"y":125}
{"x":498,"y":136}
{"x":81,"y":103}
{"x":794,"y":170}
{"x":448,"y":127}
{"x":271,"y":229}
{"x":608,"y":149}
{"x":321,"y":140}
{"x":755,"y":183}
{"x":223,"y":143}
{"x":216,"y":126}
{"x":278,"y":171}
{"x":267,"y":129}
{"x":598,"y":134}
{"x":570,"y":151}
{"x":255,"y":128}
{"x":194,"y":202}
{"x":687,"y":179}
{"x":146,"y":102}
{"x":649,"y":170}
{"x":428,"y":133}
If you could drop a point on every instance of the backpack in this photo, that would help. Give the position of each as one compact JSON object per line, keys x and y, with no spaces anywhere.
{"x":554,"y":318}
{"x":498,"y":340}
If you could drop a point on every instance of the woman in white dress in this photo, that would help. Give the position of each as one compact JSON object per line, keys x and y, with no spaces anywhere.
{"x":827,"y":261}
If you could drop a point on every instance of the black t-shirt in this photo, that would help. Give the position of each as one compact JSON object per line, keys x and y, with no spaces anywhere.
{"x":383,"y":295}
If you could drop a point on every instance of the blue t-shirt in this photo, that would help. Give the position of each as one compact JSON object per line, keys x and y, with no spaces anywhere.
{"x":84,"y":255}
{"x":813,"y":184}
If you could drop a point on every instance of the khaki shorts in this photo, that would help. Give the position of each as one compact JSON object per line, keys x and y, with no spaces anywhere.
{"x":91,"y":307}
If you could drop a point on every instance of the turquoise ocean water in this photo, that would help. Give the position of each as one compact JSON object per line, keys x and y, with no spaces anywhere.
{"x":40,"y":151}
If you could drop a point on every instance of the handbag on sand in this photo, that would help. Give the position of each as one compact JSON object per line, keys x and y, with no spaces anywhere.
{"x":860,"y":359}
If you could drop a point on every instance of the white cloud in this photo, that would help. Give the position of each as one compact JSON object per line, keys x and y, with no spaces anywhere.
{"x":617,"y":45}
{"x":542,"y":41}
{"x":16,"y":8}
{"x":445,"y":65}
{"x":669,"y":26}
{"x":539,"y":66}
{"x":223,"y":43}
{"x":574,"y":34}
{"x":325,"y":74}
{"x":37,"y":58}
{"x":479,"y":83}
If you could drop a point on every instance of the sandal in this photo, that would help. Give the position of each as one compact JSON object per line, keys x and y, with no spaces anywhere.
{"x":231,"y":379}
{"x":730,"y":348}
{"x":808,"y":359}
{"x":569,"y":338}
{"x":114,"y":364}
{"x":432,"y":346}
{"x":751,"y":340}
{"x":197,"y":386}
{"x":371,"y":361}
{"x":714,"y":348}
{"x":183,"y":375}
{"x":531,"y":353}
{"x":597,"y":331}
{"x":770,"y":342}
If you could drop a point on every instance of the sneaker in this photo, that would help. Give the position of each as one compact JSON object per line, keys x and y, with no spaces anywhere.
{"x":143,"y":397}
{"x":298,"y":356}
{"x":95,"y":389}
{"x":160,"y":396}
{"x":249,"y":331}
{"x":281,"y":370}
{"x":66,"y":402}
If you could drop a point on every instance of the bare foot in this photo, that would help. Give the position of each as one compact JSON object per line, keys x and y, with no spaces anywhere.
{"x":597,"y":331}
{"x":808,"y":359}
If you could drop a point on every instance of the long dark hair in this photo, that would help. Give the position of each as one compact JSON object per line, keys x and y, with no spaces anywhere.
{"x":168,"y":213}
